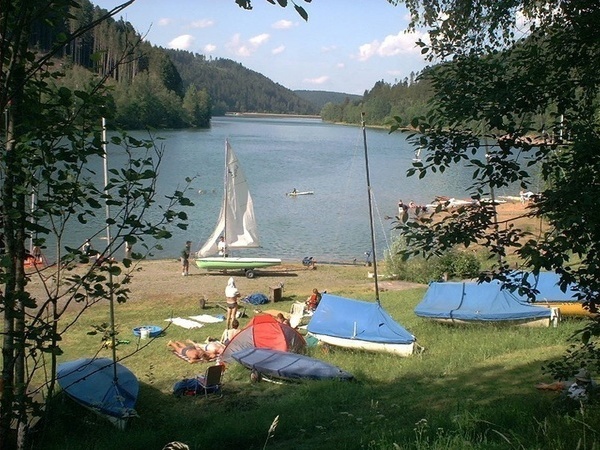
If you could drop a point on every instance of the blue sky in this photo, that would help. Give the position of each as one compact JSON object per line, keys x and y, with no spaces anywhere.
{"x":346,"y":45}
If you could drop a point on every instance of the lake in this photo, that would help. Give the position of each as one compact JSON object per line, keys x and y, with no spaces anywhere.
{"x":280,"y":154}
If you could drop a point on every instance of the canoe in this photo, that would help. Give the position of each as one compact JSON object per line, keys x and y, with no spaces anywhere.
{"x":288,"y":366}
{"x":92,"y":383}
{"x":295,"y":194}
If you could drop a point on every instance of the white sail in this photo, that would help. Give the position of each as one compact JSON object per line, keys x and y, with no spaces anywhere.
{"x":236,"y":219}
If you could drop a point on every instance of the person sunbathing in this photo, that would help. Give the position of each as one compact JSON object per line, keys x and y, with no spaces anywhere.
{"x":194,"y":352}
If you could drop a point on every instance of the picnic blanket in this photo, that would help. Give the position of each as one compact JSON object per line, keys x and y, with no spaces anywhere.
{"x":185,"y":323}
{"x":206,"y":318}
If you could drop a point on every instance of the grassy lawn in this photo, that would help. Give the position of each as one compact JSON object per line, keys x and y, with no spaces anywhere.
{"x":472,"y":387}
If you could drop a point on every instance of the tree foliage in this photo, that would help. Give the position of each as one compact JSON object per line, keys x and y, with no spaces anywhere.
{"x":383,"y":102}
{"x":51,"y":133}
{"x":506,"y":99}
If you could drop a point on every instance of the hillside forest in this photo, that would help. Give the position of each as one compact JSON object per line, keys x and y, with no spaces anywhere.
{"x":150,"y":86}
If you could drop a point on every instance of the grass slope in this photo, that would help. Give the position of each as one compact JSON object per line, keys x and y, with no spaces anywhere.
{"x":472,"y":387}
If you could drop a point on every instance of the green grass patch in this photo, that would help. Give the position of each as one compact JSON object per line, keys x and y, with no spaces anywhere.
{"x":472,"y":387}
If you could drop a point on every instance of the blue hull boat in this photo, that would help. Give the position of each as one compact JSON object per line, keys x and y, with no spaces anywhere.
{"x":288,"y":366}
{"x":92,"y":383}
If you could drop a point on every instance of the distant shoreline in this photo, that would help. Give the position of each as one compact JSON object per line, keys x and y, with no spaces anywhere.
{"x":251,"y":114}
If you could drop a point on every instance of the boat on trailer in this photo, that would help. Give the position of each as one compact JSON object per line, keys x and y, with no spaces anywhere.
{"x":236,"y":224}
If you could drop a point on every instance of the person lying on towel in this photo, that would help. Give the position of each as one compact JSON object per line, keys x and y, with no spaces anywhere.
{"x":197,"y":352}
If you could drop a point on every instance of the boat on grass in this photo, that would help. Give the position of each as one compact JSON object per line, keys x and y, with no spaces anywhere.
{"x":358,"y":324}
{"x":106,"y":387}
{"x":236,"y":224}
{"x":361,"y":325}
{"x":470,"y":302}
{"x":264,"y":362}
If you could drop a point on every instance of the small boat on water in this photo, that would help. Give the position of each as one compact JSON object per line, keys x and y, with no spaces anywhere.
{"x":297,"y":193}
{"x":101,"y":385}
{"x":288,"y":366}
{"x":236,"y":224}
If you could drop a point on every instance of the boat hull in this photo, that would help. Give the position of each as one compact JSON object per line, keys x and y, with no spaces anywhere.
{"x":296,"y":194}
{"x":288,"y":366}
{"x":220,"y":263}
{"x":369,"y":346}
{"x":91,"y":383}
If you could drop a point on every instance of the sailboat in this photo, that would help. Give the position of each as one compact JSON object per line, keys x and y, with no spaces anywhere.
{"x":358,"y":324}
{"x":236,"y":224}
{"x":102,"y":385}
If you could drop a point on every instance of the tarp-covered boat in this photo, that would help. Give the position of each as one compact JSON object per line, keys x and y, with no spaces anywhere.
{"x":469,"y":302}
{"x":106,"y":387}
{"x":358,"y":324}
{"x":288,"y":366}
{"x":550,"y":294}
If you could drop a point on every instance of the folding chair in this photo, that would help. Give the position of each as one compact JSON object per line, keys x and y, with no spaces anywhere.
{"x":298,"y":315}
{"x":211,"y":381}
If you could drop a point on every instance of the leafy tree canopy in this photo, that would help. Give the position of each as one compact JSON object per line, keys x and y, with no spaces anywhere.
{"x":502,"y":64}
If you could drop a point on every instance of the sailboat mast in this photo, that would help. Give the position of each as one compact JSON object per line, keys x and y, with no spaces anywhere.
{"x":108,"y":251}
{"x":226,"y":191}
{"x":369,"y":192}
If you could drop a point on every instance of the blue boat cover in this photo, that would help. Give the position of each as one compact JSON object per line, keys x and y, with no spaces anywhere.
{"x":476,"y":302}
{"x":547,"y":283}
{"x":91,"y":382}
{"x":289,"y":366}
{"x":355,"y":319}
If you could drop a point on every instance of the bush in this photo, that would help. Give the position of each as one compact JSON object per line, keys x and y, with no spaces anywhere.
{"x":454,"y":264}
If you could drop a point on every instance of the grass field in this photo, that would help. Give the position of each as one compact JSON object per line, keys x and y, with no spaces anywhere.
{"x":472,"y":387}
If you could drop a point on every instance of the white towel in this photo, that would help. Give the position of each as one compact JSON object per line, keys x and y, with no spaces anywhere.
{"x":185,"y":323}
{"x":206,"y":318}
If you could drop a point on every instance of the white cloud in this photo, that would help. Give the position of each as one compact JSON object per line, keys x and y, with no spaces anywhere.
{"x":260,"y":39}
{"x":164,"y":22}
{"x":182,"y":42}
{"x":318,"y":80}
{"x":340,"y":65}
{"x":209,"y":48}
{"x":240,"y":48}
{"x":203,"y":23}
{"x":283,"y":25}
{"x":392,"y":45}
{"x":278,"y":50}
{"x":329,"y":48}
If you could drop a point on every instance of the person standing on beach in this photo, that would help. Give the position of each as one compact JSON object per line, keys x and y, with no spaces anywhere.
{"x":185,"y":259}
{"x":231,"y":297}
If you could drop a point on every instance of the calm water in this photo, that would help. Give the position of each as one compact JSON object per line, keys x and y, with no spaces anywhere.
{"x":278,"y":155}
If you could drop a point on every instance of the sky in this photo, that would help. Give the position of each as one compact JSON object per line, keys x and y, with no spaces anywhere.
{"x":346,"y":45}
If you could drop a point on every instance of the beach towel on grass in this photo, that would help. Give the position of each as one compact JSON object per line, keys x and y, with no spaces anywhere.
{"x":185,"y":323}
{"x":207,"y":318}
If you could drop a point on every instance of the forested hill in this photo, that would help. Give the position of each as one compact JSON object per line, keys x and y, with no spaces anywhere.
{"x":153,"y":87}
{"x":321,"y":98}
{"x":233,"y":87}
